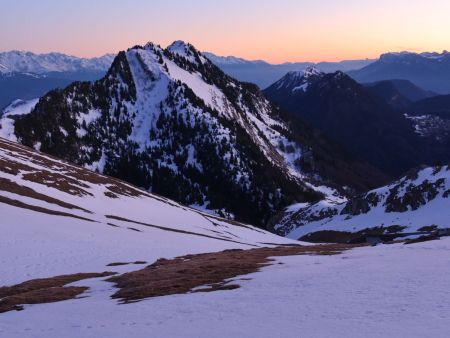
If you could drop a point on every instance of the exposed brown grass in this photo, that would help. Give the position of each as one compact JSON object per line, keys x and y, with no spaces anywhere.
{"x":15,"y":188}
{"x":208,"y":271}
{"x":44,"y":290}
{"x":126,"y":263}
{"x":23,"y":205}
{"x":69,"y":178}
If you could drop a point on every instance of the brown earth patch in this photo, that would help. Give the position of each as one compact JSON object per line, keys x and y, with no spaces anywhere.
{"x":13,"y":168}
{"x":205,"y":272}
{"x":332,"y":236}
{"x":126,"y":263}
{"x":23,"y":205}
{"x":69,"y":178}
{"x":58,"y":181}
{"x":44,"y":290}
{"x":13,"y":187}
{"x":424,"y":238}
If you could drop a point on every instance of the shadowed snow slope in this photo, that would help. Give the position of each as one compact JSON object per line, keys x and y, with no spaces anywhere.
{"x":420,"y":199}
{"x":58,"y":219}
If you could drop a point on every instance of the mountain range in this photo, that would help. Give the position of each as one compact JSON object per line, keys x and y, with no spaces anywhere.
{"x":28,"y":62}
{"x":350,"y":115}
{"x":25,"y":75}
{"x":264,"y":74}
{"x":399,"y":94}
{"x":427,"y":70}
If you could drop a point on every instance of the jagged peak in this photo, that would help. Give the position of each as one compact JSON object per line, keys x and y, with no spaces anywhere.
{"x":187,"y":51}
{"x":299,"y":80}
{"x":181,"y":48}
{"x":311,"y":71}
{"x":151,"y":46}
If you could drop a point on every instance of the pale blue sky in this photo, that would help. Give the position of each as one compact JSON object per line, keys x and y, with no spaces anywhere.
{"x":281,"y":30}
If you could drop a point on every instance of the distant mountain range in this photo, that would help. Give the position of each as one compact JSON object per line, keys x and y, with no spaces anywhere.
{"x":28,"y":62}
{"x":399,"y":94}
{"x":430,"y":71}
{"x":264,"y":74}
{"x":352,"y":116}
{"x":25,"y":75}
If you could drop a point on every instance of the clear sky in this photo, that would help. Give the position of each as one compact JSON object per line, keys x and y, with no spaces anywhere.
{"x":274,"y":30}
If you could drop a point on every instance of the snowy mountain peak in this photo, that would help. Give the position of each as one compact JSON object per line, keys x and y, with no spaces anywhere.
{"x":180,"y":47}
{"x":182,"y":124}
{"x":311,"y":71}
{"x":299,"y":80}
{"x":186,"y":50}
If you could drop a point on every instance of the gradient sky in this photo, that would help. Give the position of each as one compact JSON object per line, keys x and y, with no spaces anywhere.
{"x":274,"y":30}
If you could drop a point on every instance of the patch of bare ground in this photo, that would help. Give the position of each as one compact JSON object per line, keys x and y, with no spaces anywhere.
{"x":44,"y":290}
{"x":205,"y":272}
{"x":58,"y":181}
{"x":333,"y":236}
{"x":15,"y":188}
{"x":126,"y":263}
{"x":23,"y":205}
{"x":66,"y":177}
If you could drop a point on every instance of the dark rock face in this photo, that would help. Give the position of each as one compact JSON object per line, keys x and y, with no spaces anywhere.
{"x":414,"y":196}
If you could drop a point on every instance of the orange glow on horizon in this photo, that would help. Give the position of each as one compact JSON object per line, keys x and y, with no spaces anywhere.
{"x":285,"y":31}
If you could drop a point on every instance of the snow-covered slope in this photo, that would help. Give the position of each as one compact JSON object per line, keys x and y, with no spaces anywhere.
{"x":61,"y":219}
{"x":420,"y":200}
{"x":28,"y":62}
{"x":16,"y":108}
{"x":75,"y":220}
{"x":170,"y":121}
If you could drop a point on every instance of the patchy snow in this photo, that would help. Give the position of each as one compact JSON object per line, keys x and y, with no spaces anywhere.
{"x":18,"y":107}
{"x":389,"y":290}
{"x":385,"y":291}
{"x":434,"y":210}
{"x":68,"y":245}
